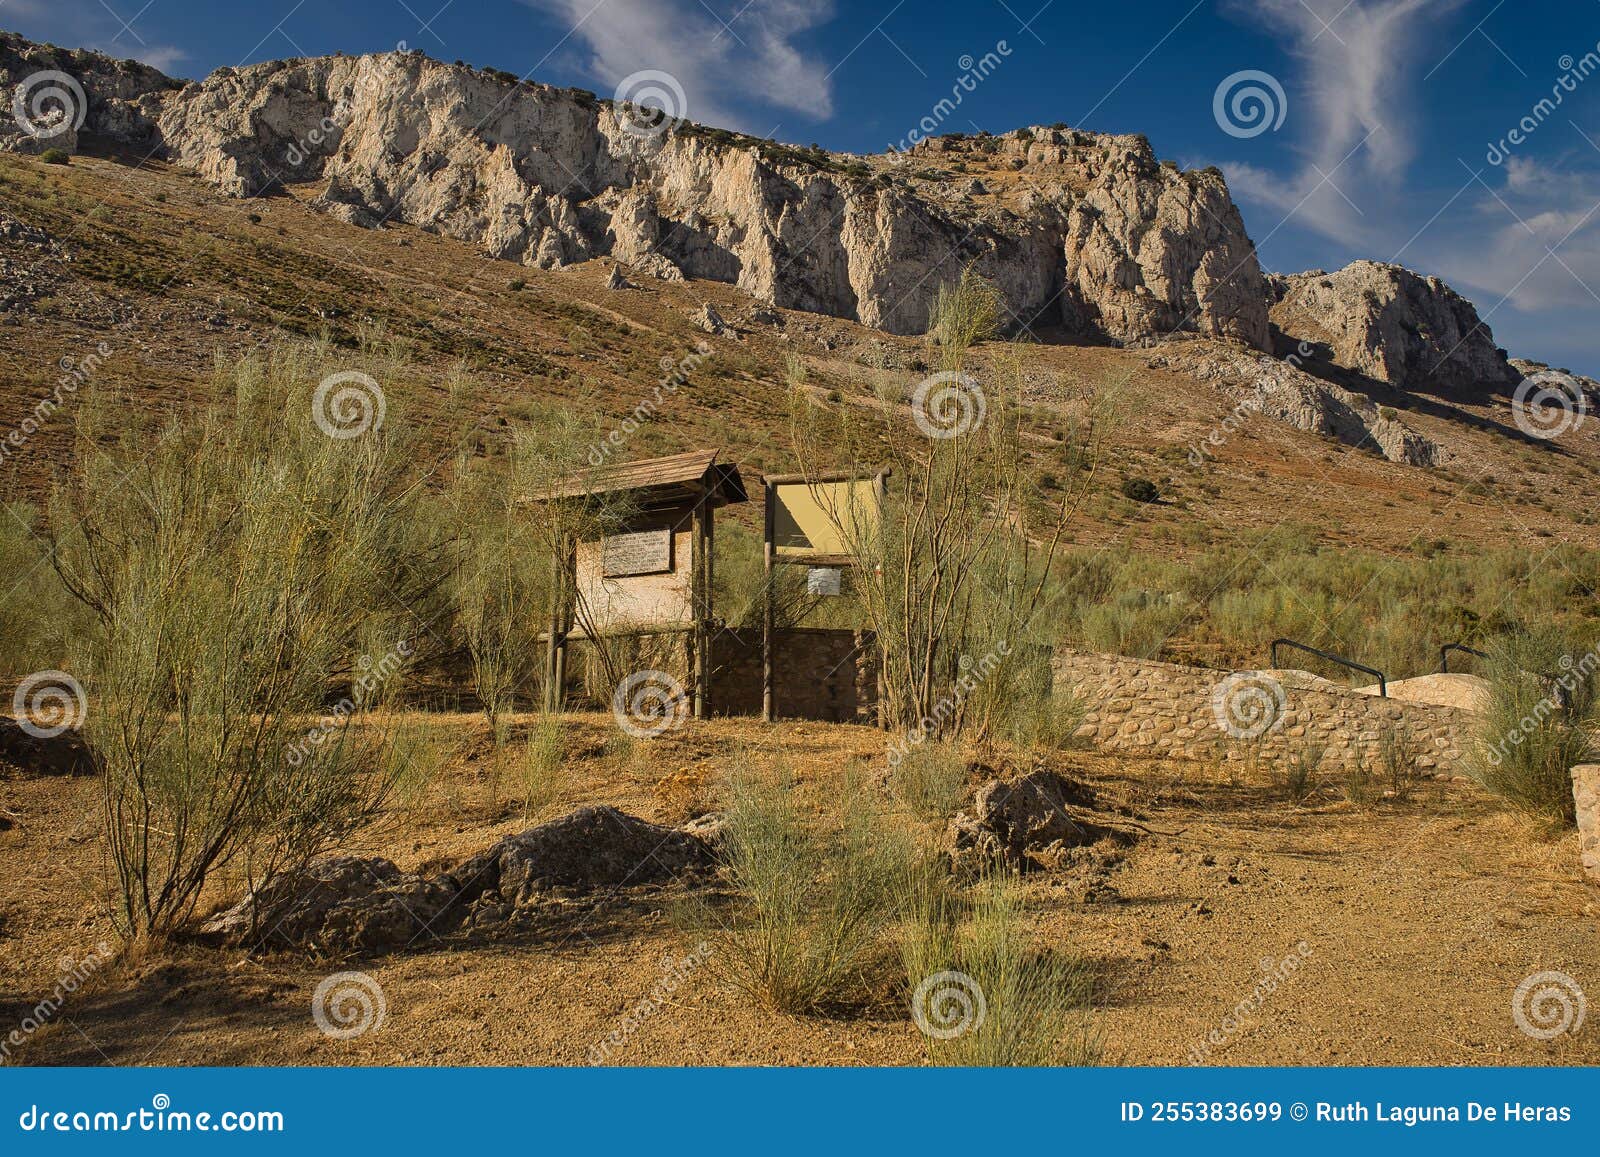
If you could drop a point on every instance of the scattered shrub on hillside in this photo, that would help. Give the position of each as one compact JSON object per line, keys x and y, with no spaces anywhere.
{"x":929,"y":778}
{"x":1140,"y":490}
{"x":519,"y":513}
{"x":1303,"y":772}
{"x":37,"y":615}
{"x":1398,"y":754}
{"x":540,"y":765}
{"x":55,"y":157}
{"x":1360,"y":785}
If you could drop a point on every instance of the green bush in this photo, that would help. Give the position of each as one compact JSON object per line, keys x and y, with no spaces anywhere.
{"x":813,"y":898}
{"x":55,"y":157}
{"x":1302,"y":777}
{"x":979,"y":991}
{"x":930,"y":778}
{"x":1140,"y":490}
{"x":236,"y":563}
{"x":1534,"y":731}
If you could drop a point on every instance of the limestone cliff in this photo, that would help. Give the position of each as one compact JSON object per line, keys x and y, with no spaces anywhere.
{"x":1391,"y":324}
{"x":1087,"y":235}
{"x":1084,"y":232}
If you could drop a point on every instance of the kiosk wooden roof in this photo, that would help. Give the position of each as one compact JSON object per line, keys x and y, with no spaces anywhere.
{"x":676,"y":480}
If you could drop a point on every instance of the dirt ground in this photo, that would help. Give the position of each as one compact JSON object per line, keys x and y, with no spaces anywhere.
{"x":1410,"y":925}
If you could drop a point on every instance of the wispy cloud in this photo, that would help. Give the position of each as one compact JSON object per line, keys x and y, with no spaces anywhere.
{"x":1533,"y":239}
{"x":1349,"y":105}
{"x":725,"y":59}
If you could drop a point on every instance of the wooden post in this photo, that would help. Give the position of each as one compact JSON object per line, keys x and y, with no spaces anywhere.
{"x":697,"y":600}
{"x":706,"y":664}
{"x":769,"y":519}
{"x":552,"y":654}
{"x":568,"y":605}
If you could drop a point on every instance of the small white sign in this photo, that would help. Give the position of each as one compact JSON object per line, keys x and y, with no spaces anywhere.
{"x":823,"y":580}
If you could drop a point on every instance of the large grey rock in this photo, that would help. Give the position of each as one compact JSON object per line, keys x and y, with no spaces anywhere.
{"x":121,"y":98}
{"x":344,"y":904}
{"x":1390,"y":324}
{"x":594,"y":847}
{"x":336,"y":904}
{"x":1277,"y":389}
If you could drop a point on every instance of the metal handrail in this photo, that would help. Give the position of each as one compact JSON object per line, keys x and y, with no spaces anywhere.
{"x":1383,"y":683}
{"x":1444,"y":655}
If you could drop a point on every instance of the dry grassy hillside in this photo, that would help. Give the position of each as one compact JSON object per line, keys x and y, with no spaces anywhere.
{"x":167,"y":274}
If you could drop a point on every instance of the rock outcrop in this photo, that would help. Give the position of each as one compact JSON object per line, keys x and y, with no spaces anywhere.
{"x":343,"y":904}
{"x":1576,"y":386}
{"x":61,"y":92}
{"x":1390,"y":324}
{"x":1277,"y":389}
{"x":1027,"y":822}
{"x":1080,"y":230}
{"x":1087,"y":235}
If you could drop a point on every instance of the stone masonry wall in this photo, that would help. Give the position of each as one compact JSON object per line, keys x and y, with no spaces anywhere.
{"x":1162,"y":708}
{"x":1586,"y":794}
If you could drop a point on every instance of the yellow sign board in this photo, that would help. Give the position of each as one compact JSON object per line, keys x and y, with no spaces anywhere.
{"x":825,"y":519}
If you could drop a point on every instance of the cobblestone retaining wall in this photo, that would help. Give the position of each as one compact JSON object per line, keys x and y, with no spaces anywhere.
{"x":1162,"y":708}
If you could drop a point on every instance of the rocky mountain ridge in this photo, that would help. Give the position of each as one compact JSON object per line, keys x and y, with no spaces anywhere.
{"x":1087,"y":235}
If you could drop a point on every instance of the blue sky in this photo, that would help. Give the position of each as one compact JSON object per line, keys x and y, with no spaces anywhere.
{"x":1389,"y":108}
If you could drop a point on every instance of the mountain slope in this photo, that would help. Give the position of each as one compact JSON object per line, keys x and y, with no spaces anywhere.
{"x":151,"y":264}
{"x":1089,"y":236}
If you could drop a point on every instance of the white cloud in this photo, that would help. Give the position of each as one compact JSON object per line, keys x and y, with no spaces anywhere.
{"x":1348,"y":107}
{"x":1533,"y":240}
{"x":754,"y":58}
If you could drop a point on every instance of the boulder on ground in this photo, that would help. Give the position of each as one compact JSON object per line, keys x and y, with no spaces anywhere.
{"x":1033,"y":821}
{"x":594,"y":847}
{"x":336,"y":904}
{"x":64,"y":754}
{"x":343,"y":904}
